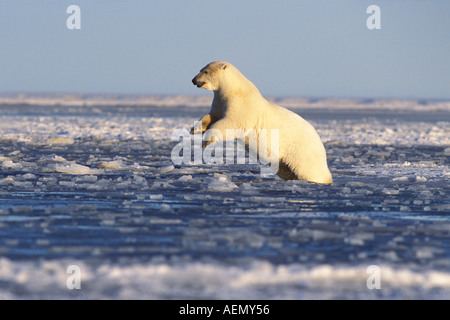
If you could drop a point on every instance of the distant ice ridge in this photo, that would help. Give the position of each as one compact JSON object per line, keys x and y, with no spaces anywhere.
{"x":209,"y":280}
{"x":205,"y":101}
{"x":105,"y":100}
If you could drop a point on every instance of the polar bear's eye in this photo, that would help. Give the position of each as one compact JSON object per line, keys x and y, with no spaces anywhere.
{"x":205,"y":72}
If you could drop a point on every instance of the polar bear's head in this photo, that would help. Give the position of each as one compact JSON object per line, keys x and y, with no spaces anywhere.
{"x":210,"y":77}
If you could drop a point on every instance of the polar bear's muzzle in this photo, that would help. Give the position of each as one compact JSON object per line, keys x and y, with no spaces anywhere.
{"x":198,"y":83}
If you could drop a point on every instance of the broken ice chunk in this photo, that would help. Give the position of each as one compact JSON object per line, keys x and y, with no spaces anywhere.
{"x":221,"y":184}
{"x":77,"y":169}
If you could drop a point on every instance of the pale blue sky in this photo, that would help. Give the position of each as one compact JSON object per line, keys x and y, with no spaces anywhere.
{"x":312,"y":48}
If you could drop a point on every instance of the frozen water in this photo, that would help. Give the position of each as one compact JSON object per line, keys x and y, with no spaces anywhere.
{"x":207,"y":280}
{"x":94,"y":186}
{"x":220,"y":183}
{"x":74,"y":168}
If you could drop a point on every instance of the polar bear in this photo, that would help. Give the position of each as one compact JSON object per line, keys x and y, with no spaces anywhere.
{"x":238,"y":104}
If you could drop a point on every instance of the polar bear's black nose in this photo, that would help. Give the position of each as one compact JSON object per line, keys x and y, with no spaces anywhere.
{"x":198,"y":83}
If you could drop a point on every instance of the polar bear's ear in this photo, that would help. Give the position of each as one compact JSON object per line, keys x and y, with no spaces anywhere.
{"x":223,"y":66}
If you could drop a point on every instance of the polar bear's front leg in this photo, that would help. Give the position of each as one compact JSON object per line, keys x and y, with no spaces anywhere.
{"x":202,"y":124}
{"x":221,"y":130}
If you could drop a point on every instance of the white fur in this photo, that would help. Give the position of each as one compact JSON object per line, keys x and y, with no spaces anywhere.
{"x":238,"y":104}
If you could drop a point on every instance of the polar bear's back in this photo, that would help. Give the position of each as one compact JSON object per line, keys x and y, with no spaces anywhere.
{"x":292,"y":126}
{"x":301,"y":148}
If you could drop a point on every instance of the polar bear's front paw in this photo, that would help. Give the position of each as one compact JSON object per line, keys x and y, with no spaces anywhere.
{"x":195,"y":130}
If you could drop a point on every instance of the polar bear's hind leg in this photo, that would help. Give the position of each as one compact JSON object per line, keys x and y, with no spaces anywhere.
{"x":285,"y":172}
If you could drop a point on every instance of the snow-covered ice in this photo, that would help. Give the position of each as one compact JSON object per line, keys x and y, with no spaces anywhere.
{"x":91,"y":183}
